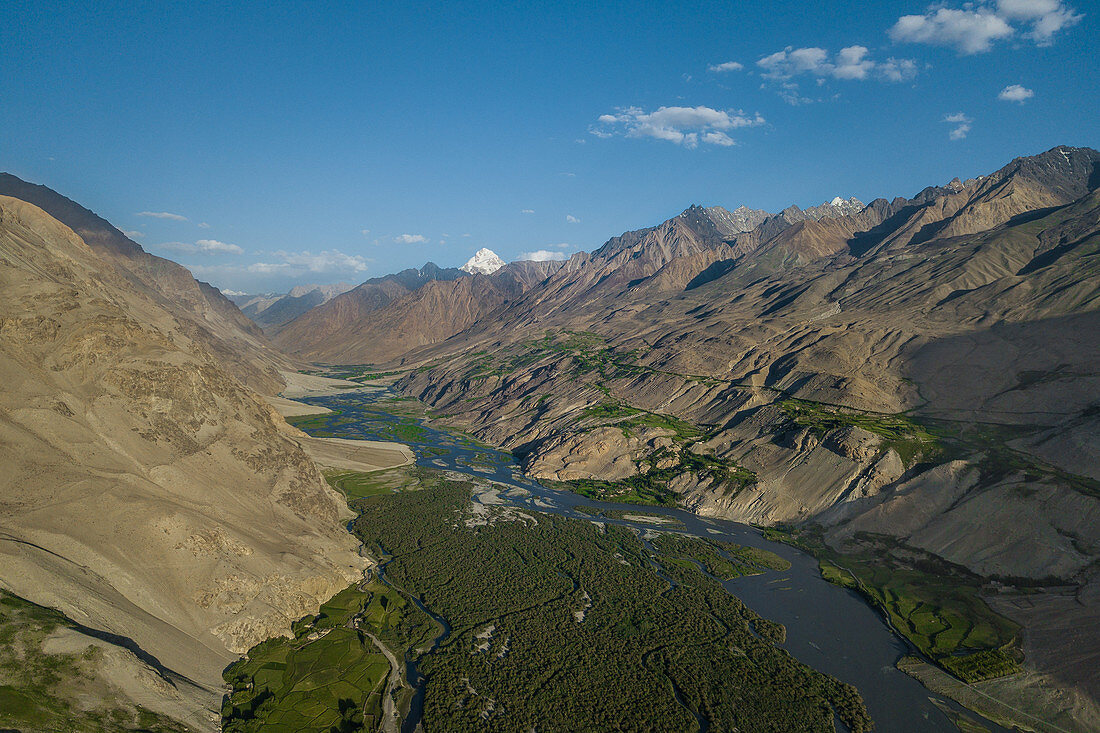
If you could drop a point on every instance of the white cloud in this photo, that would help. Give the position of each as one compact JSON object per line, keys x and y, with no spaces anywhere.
{"x":726,"y":66}
{"x":544,"y":255}
{"x":897,"y":70}
{"x":1027,"y":9}
{"x":850,"y":62}
{"x":790,"y":61}
{"x":203,"y":225}
{"x":1047,"y":17}
{"x":717,"y":138}
{"x":572,"y":219}
{"x":962,"y":125}
{"x":212,"y":246}
{"x":365,"y":232}
{"x":1015,"y":93}
{"x":687,"y":126}
{"x":968,"y":31}
{"x":163,"y":215}
{"x":282,"y":271}
{"x":1044,"y":29}
{"x":410,"y":238}
{"x":133,"y":233}
{"x":527,"y":211}
{"x":974,"y":28}
{"x":301,"y":262}
{"x":959,"y":132}
{"x":202,"y":247}
{"x":267,"y":268}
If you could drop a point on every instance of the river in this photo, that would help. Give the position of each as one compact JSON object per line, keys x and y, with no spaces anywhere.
{"x":829,"y":628}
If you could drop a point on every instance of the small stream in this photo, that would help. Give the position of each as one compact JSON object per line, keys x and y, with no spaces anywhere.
{"x":829,"y":628}
{"x":412,"y":672}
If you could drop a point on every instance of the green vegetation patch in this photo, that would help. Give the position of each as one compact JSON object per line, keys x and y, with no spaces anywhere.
{"x":557,"y":624}
{"x":331,"y":675}
{"x":908,"y":438}
{"x":935,"y":604}
{"x":395,"y":419}
{"x":651,"y":485}
{"x":609,"y":411}
{"x":581,"y":352}
{"x":59,"y":692}
{"x":943,"y":440}
{"x":625,"y":416}
{"x":373,"y":376}
{"x":326,"y":425}
{"x":646,"y":488}
{"x":999,"y":461}
{"x":356,"y":484}
{"x":723,"y":560}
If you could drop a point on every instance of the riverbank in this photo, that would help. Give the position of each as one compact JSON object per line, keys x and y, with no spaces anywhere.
{"x":364,"y":456}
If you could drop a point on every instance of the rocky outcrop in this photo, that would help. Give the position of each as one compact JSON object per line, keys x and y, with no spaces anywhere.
{"x":603,"y":453}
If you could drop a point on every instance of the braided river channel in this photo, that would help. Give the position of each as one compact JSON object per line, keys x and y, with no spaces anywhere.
{"x":829,"y":628}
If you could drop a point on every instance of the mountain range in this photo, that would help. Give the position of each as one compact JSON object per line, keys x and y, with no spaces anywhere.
{"x":413,"y":308}
{"x":911,"y":381}
{"x":921,"y":368}
{"x":270,"y":311}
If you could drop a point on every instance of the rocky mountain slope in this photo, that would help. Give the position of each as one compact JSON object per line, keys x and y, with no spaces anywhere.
{"x":207,"y":316}
{"x":272,"y":311}
{"x":401,"y":318}
{"x":922,"y":369}
{"x":148,"y":493}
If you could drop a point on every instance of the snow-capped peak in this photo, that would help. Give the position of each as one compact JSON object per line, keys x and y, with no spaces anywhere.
{"x":837,"y":201}
{"x":484,"y":262}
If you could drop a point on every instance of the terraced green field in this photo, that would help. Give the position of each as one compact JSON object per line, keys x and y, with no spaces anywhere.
{"x":936,"y":605}
{"x":331,"y":675}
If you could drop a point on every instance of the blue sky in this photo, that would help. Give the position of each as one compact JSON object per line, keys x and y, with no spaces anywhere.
{"x":310,"y":142}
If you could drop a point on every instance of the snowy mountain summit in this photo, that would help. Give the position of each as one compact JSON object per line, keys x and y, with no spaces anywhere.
{"x":484,"y":262}
{"x":835,"y":208}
